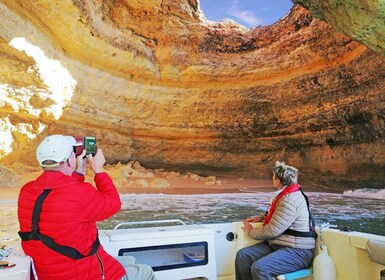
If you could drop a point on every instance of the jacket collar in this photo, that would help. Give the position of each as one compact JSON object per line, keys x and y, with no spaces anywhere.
{"x":53,"y":180}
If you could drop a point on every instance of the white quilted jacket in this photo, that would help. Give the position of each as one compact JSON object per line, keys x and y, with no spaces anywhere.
{"x":291,"y":212}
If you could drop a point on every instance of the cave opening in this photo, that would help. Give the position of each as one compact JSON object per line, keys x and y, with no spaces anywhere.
{"x":249,"y":13}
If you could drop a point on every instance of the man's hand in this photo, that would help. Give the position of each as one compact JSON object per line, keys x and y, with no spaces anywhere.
{"x":97,"y":161}
{"x":81,"y":163}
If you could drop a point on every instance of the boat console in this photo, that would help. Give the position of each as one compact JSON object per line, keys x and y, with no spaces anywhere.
{"x":184,"y":251}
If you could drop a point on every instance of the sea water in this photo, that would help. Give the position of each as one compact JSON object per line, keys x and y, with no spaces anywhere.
{"x":362,"y":210}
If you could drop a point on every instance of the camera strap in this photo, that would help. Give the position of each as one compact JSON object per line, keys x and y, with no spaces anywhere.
{"x":34,"y":234}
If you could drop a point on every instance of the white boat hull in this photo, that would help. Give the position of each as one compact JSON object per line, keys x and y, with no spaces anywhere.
{"x":347,"y":249}
{"x":208,"y":252}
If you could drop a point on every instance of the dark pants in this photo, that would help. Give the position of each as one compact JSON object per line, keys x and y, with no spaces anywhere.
{"x":263,"y":261}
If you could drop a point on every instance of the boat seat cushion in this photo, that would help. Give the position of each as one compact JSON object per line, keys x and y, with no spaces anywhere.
{"x":376,"y":251}
{"x":296,"y":274}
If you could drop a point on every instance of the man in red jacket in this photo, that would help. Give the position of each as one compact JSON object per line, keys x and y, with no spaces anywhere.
{"x":68,"y":215}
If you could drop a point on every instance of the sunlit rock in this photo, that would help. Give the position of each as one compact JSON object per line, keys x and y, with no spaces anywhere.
{"x":9,"y":178}
{"x":157,"y":83}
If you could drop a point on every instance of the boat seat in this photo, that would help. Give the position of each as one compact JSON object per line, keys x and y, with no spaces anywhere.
{"x":376,"y":251}
{"x":296,"y":274}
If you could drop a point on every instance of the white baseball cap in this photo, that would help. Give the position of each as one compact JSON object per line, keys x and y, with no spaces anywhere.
{"x":55,"y":147}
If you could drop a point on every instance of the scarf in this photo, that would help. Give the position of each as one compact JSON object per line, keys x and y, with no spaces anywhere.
{"x":287,"y":190}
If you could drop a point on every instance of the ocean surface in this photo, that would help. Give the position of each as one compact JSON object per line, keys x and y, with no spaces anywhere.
{"x":361,"y":210}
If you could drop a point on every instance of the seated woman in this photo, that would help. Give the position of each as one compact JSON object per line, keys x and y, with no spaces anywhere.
{"x":287,"y":231}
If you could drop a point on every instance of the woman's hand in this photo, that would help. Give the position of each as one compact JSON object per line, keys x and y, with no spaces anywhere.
{"x":252,"y":220}
{"x":247,"y":227}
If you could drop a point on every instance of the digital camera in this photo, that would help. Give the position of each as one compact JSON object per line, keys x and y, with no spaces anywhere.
{"x":87,"y":143}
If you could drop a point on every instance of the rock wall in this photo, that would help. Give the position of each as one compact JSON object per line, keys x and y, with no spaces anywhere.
{"x":361,"y":20}
{"x":157,"y":83}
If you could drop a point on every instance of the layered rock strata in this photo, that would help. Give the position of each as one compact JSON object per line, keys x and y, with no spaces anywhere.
{"x":157,"y":83}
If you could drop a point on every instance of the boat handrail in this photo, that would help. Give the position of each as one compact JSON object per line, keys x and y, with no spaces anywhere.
{"x":170,"y":221}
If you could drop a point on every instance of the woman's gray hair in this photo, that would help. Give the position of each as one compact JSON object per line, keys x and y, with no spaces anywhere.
{"x":288,"y":175}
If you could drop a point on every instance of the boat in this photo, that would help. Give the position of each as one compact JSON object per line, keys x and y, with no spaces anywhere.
{"x":176,"y":250}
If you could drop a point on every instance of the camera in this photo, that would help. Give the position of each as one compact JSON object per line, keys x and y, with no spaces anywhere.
{"x":87,"y":143}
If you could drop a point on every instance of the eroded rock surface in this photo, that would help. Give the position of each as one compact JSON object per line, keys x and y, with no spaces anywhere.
{"x":157,"y":83}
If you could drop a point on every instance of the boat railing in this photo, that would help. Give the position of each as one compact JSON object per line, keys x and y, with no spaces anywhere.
{"x":154,"y":222}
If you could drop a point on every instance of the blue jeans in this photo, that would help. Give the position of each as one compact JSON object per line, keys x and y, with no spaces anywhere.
{"x":264,"y":262}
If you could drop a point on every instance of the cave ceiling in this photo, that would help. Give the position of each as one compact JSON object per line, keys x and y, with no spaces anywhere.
{"x":156,"y":82}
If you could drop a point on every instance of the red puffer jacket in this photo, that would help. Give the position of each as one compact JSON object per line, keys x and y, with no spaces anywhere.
{"x":69,"y":216}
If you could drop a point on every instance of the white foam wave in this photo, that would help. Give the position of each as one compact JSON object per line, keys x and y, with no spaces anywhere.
{"x":361,"y":214}
{"x":235,"y":207}
{"x":366,"y":193}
